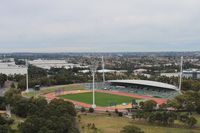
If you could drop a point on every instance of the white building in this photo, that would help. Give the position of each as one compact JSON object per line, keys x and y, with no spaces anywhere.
{"x":170,"y":74}
{"x":191,"y":73}
{"x":139,"y":71}
{"x":48,"y":64}
{"x":9,"y":68}
{"x":105,"y":71}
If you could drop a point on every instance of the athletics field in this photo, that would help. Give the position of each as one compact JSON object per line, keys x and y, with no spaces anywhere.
{"x":102,"y":99}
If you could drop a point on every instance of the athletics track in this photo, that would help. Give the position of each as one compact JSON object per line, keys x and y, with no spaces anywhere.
{"x":53,"y":95}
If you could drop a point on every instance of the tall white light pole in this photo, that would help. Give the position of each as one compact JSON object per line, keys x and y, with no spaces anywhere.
{"x":103,"y":67}
{"x":93,"y":69}
{"x":181,"y":73}
{"x":27,"y":90}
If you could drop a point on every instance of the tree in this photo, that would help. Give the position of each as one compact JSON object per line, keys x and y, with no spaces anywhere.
{"x":91,"y":110}
{"x":63,"y":106}
{"x":32,"y":124}
{"x":149,"y":105}
{"x":139,"y":114}
{"x":22,"y":84}
{"x":4,"y":125}
{"x":19,"y":62}
{"x":191,"y":122}
{"x":120,"y":114}
{"x":162,"y":117}
{"x":131,"y":129}
{"x":13,"y":85}
{"x":141,"y":105}
{"x":56,"y":117}
{"x":36,"y":105}
{"x":2,"y":103}
{"x":3,"y":78}
{"x":189,"y":101}
{"x":83,"y":109}
{"x":21,"y":108}
{"x":12,"y":96}
{"x":45,"y":130}
{"x":116,"y":111}
{"x":4,"y":129}
{"x":36,"y":72}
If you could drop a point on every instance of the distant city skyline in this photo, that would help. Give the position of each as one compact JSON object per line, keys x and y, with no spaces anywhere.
{"x":99,"y":26}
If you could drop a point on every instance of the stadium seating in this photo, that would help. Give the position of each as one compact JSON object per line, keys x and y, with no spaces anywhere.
{"x":149,"y":91}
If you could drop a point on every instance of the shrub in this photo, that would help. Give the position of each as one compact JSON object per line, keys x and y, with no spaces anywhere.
{"x":131,"y":129}
{"x":191,"y":122}
{"x":109,"y":114}
{"x":83,"y":109}
{"x":91,"y":110}
{"x":83,"y":127}
{"x":120,"y":114}
{"x":116,"y":111}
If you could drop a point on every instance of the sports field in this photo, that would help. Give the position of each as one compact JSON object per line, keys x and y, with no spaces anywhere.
{"x":102,"y":99}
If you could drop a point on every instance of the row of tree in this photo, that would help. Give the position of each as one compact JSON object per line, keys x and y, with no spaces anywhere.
{"x":180,"y":108}
{"x":56,"y":117}
{"x":189,"y":101}
{"x":165,"y":117}
{"x":60,"y":76}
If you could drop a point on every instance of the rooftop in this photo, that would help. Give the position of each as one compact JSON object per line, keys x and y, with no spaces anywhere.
{"x":147,"y":83}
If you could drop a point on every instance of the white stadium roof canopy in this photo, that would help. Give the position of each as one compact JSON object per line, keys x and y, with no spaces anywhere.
{"x":145,"y":83}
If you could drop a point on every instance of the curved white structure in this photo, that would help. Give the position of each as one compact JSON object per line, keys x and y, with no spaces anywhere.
{"x":145,"y":83}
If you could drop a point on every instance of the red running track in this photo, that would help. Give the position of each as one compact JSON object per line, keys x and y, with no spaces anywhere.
{"x":159,"y":101}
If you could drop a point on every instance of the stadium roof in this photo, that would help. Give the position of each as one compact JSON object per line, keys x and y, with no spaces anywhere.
{"x":146,"y":83}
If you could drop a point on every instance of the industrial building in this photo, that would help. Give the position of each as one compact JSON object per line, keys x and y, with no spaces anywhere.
{"x":9,"y":67}
{"x":191,"y":73}
{"x":48,"y":64}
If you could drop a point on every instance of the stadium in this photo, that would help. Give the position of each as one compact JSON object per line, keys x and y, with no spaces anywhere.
{"x":142,"y":87}
{"x":115,"y":94}
{"x":118,"y":94}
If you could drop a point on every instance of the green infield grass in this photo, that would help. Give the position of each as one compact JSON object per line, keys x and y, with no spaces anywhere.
{"x":102,"y":99}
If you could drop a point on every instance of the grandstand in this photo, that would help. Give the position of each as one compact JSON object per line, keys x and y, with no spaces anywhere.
{"x":143,"y":87}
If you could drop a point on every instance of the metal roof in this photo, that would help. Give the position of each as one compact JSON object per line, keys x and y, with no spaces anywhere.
{"x":146,"y":83}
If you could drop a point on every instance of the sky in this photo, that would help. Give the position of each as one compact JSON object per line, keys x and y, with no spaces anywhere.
{"x":99,"y":25}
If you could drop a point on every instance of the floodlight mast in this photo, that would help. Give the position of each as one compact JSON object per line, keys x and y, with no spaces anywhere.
{"x":181,"y":73}
{"x":93,"y":69}
{"x":27,"y":89}
{"x":103,"y":67}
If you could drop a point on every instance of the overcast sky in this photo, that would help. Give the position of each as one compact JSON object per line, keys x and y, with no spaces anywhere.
{"x":99,"y":25}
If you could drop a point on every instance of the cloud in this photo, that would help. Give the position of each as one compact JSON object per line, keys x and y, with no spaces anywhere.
{"x":105,"y":25}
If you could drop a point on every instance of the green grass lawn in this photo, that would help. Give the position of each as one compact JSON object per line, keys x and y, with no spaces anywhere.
{"x":53,"y":88}
{"x":114,"y":124}
{"x":102,"y":99}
